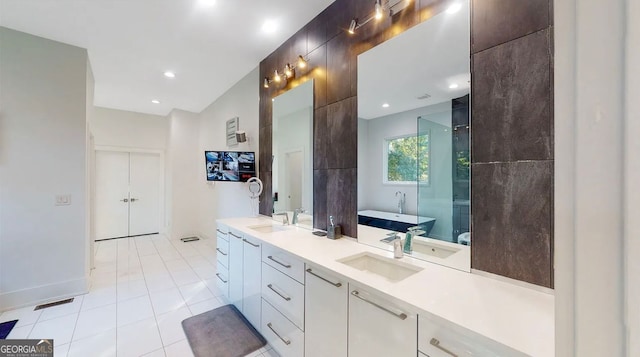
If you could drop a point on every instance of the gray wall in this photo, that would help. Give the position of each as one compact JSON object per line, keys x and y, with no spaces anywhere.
{"x":512,"y":140}
{"x":43,"y":106}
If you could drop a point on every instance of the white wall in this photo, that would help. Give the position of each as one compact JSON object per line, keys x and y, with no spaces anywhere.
{"x":226,"y":199}
{"x":112,"y":127}
{"x":42,"y":154}
{"x":588,"y":171}
{"x":185,"y":169}
{"x":372,"y":193}
{"x":632,"y":178}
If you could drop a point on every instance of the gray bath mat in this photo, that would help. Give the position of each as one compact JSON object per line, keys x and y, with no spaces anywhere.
{"x":222,"y":332}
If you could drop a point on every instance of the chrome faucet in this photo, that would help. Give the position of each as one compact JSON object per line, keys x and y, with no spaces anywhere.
{"x":401,"y":198}
{"x":285,"y":220}
{"x":296,"y":213}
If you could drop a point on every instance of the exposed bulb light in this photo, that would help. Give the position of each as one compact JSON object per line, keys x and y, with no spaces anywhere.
{"x":385,"y":105}
{"x":352,"y":26}
{"x":378,"y":14}
{"x":276,"y":76}
{"x":453,"y":8}
{"x":302,"y":63}
{"x":265,"y":83}
{"x":169,"y":74}
{"x":155,"y":101}
{"x":453,"y":86}
{"x":288,"y":71}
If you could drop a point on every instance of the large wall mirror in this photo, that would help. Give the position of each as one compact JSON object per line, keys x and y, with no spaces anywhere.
{"x":413,"y":139}
{"x":292,"y":150}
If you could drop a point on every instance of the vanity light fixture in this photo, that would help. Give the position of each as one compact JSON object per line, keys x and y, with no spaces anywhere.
{"x":302,"y":63}
{"x":378,"y":9}
{"x":287,"y":73}
{"x":378,"y":13}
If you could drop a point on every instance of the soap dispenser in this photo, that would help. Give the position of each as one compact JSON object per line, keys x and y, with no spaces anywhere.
{"x":397,"y":247}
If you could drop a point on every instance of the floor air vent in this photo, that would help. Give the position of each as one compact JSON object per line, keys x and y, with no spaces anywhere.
{"x":189,"y":239}
{"x":52,"y":304}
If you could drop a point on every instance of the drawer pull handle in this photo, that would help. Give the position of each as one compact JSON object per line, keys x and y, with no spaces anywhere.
{"x":221,"y":252}
{"x":281,"y":263}
{"x":436,"y":343}
{"x":221,"y":232}
{"x":255,"y":245}
{"x":277,"y":292}
{"x":337,"y":285}
{"x":235,"y":235}
{"x":286,"y":342}
{"x":219,"y":277}
{"x":401,"y":316}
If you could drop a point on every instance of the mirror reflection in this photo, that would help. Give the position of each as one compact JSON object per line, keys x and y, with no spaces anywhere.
{"x":413,"y":141}
{"x":292,"y":171}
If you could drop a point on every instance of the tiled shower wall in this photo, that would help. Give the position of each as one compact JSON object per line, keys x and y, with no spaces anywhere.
{"x":511,"y":110}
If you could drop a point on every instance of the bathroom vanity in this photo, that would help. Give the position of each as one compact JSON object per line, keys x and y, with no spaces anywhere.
{"x":312,"y":296}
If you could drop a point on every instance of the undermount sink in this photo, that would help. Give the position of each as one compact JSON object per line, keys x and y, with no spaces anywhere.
{"x":268,"y":228}
{"x":434,"y":250}
{"x":388,"y":268}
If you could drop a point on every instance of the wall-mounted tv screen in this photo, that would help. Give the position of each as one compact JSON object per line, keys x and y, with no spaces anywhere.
{"x":234,"y":166}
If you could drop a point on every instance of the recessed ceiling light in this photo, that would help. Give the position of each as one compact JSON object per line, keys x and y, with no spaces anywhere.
{"x":453,"y":8}
{"x":169,"y":74}
{"x":453,"y":86}
{"x":269,"y":26}
{"x":385,"y":105}
{"x":155,"y":101}
{"x":207,"y":3}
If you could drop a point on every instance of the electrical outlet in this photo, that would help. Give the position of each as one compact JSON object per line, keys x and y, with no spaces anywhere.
{"x":63,"y":200}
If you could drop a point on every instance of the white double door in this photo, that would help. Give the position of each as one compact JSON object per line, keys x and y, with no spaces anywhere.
{"x":127,"y":194}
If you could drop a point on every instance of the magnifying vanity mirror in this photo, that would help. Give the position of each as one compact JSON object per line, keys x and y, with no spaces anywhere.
{"x":292,"y":150}
{"x":413,"y":140}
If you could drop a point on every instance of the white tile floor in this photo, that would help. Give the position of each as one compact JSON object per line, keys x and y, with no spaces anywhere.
{"x":141,"y":290}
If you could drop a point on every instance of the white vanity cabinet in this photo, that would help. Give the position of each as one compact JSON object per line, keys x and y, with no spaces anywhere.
{"x":378,"y":327}
{"x":222,"y":257}
{"x":235,"y":267}
{"x":251,"y":273}
{"x":325,"y":313}
{"x":438,"y":338}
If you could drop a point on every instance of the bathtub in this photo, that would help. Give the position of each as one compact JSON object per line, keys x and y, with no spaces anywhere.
{"x":394,"y":221}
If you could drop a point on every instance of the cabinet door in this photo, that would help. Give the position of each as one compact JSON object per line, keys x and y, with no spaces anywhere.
{"x":326,"y":299}
{"x":378,"y":327}
{"x":235,"y":269}
{"x":251,"y":304}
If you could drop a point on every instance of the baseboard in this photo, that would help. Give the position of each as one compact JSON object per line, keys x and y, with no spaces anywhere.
{"x":43,"y":294}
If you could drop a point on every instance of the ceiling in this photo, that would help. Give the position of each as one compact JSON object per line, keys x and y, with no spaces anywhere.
{"x":209,"y":44}
{"x":425,"y":59}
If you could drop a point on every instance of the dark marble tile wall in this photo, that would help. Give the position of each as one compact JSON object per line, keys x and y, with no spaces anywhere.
{"x":512,"y":139}
{"x":512,"y":67}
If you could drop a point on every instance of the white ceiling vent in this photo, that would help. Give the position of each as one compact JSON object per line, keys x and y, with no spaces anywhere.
{"x":424,"y":96}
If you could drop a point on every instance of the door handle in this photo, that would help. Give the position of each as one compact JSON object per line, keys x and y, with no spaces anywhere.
{"x":125,"y":200}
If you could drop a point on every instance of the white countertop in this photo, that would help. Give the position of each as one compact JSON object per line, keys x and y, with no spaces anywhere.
{"x":515,"y":316}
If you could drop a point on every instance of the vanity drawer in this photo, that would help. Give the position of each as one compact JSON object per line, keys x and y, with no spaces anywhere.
{"x":222,"y":232}
{"x":281,"y":334}
{"x":222,"y":280}
{"x":222,"y":251}
{"x":284,"y":262}
{"x":284,"y":293}
{"x":437,"y":339}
